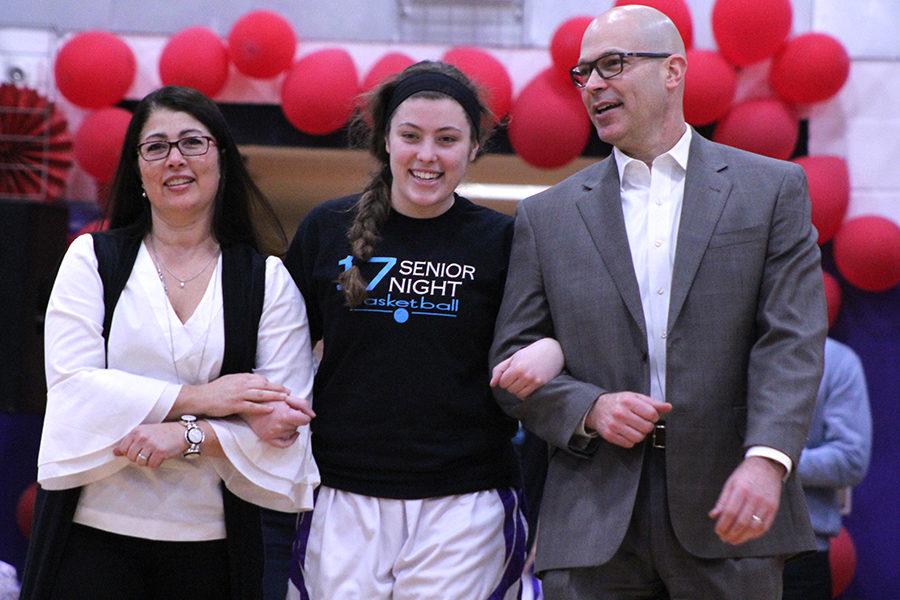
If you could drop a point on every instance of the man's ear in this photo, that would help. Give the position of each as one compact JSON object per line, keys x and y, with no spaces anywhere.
{"x":676,"y":67}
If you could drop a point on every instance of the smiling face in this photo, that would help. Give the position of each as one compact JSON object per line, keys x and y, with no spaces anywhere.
{"x":430,"y":145}
{"x":638,"y":111}
{"x":179,"y":188}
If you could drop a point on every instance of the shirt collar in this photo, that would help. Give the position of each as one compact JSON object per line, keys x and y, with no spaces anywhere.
{"x":679,"y":153}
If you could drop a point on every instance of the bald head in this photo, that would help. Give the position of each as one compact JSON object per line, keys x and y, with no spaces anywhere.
{"x":635,"y":101}
{"x":647,"y":28}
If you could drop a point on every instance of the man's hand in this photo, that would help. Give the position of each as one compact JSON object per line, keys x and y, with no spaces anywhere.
{"x":747,"y":506}
{"x":625,"y":418}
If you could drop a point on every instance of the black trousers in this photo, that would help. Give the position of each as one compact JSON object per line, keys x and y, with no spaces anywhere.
{"x":101,"y":565}
{"x":278,"y":536}
{"x":808,"y":577}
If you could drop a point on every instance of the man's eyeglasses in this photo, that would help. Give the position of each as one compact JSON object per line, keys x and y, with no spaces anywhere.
{"x":608,"y":66}
{"x":192,"y":145}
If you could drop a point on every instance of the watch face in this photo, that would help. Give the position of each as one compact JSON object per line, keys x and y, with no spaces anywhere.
{"x":194,"y":435}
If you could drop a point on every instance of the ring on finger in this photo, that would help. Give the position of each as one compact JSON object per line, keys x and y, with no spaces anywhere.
{"x":757,"y":520}
{"x":142,"y":456}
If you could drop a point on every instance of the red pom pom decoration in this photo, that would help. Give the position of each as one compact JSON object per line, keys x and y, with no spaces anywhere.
{"x":94,"y":69}
{"x":486,"y":72}
{"x":197,"y":58}
{"x":766,"y":127}
{"x":867,"y":253}
{"x":25,"y":510}
{"x":548,"y":126}
{"x":98,"y":142}
{"x":677,"y":10}
{"x":709,"y":87}
{"x":829,"y":191}
{"x":565,"y":46}
{"x":748,"y":31}
{"x":261,"y":44}
{"x":319,"y":93}
{"x":832,"y":296}
{"x":388,"y":65}
{"x":810,"y":68}
{"x":842,"y":559}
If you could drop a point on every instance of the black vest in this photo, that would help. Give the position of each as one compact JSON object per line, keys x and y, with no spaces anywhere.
{"x":243,"y":293}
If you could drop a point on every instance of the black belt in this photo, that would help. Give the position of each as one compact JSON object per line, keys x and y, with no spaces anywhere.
{"x":658,"y":436}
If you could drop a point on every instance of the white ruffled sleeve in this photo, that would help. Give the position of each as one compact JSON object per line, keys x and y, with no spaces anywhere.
{"x":89,"y":407}
{"x":278,"y":478}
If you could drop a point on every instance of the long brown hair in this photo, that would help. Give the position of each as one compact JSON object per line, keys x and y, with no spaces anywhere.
{"x":371,"y":129}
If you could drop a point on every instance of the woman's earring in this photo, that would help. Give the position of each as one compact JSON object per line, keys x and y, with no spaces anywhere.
{"x":143,"y":192}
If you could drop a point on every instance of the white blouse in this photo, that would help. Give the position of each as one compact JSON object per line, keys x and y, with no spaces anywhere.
{"x":91,"y":406}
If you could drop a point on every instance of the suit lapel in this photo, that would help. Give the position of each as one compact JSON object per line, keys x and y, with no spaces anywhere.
{"x":601,"y":208}
{"x":705,"y":192}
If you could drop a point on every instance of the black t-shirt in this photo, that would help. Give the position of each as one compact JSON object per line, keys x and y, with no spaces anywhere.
{"x":402,"y":400}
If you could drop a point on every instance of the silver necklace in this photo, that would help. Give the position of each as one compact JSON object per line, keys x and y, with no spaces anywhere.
{"x":180,"y":281}
{"x":209,"y":324}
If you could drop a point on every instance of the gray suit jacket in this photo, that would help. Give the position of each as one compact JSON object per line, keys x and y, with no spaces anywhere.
{"x":745,"y":339}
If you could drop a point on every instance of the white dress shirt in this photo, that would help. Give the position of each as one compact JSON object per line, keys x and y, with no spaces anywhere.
{"x":651,"y":203}
{"x":92,"y":405}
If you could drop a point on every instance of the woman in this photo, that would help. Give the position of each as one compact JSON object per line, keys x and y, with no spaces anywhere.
{"x":403,"y":283}
{"x":156,"y":395}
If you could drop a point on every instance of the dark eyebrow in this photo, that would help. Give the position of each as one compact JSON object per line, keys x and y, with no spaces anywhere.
{"x":439,"y":129}
{"x":603,"y":55}
{"x":184,"y":132}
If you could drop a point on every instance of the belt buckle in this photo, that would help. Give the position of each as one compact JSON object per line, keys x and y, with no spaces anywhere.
{"x":659,"y":436}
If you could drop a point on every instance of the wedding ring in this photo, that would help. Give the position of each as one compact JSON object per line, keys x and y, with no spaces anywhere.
{"x":757,"y":520}
{"x":142,"y":456}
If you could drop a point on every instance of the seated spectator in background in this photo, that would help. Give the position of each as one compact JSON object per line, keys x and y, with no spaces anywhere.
{"x":836,"y":457}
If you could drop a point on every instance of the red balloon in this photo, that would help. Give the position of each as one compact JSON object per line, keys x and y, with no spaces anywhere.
{"x":486,"y":72}
{"x":677,"y":10}
{"x":832,"y":296}
{"x":565,"y":47}
{"x":195,"y":57}
{"x":748,"y":31}
{"x":261,"y":44}
{"x":709,"y":86}
{"x":25,"y":510}
{"x":829,"y":191}
{"x":94,"y":69}
{"x":388,"y":65}
{"x":810,"y":68}
{"x":867,"y":253}
{"x":548,"y":126}
{"x":318,"y":95}
{"x":842,"y":558}
{"x":98,"y":142}
{"x":764,"y":126}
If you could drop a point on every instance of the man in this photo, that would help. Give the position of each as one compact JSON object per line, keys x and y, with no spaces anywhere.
{"x":836,"y":457}
{"x":682,"y":281}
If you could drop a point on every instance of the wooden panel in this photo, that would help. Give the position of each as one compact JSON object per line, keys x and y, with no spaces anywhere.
{"x":296,"y":179}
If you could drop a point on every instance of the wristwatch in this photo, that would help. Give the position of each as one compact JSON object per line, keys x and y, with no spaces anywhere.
{"x":193,"y":435}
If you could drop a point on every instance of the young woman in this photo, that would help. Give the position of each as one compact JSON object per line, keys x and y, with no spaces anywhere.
{"x":178,"y":362}
{"x":402,"y":283}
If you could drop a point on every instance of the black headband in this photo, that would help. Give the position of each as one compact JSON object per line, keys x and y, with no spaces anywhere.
{"x":432,"y":81}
